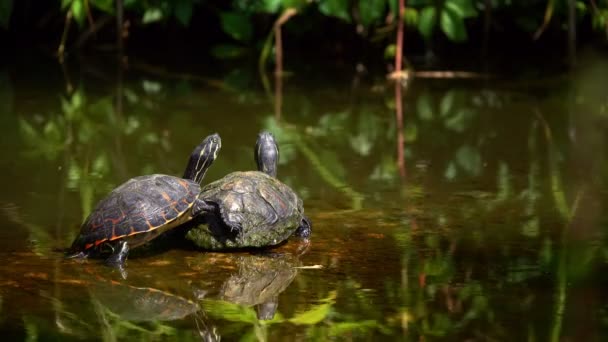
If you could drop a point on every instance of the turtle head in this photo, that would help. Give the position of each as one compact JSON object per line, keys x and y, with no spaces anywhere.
{"x":267,"y":154}
{"x":202,"y":157}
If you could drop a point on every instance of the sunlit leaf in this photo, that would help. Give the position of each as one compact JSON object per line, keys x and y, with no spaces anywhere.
{"x":335,"y":8}
{"x":410,"y":16}
{"x":152,"y":14}
{"x":464,"y":8}
{"x":313,"y":316}
{"x":343,"y":328}
{"x":271,"y":6}
{"x":371,"y":11}
{"x":426,"y":24}
{"x":237,"y":25}
{"x":79,"y":11}
{"x":6,"y":9}
{"x":229,"y":311}
{"x":452,"y":24}
{"x":389,"y":51}
{"x":151,"y":87}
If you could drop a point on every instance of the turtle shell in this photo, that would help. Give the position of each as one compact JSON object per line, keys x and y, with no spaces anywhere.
{"x":261,"y":208}
{"x":140,"y":209}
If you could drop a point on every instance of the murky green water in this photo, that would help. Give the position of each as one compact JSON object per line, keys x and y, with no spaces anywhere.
{"x":478,"y":212}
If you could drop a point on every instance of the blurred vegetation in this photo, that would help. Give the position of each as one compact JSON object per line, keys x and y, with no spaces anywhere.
{"x":239,"y":26}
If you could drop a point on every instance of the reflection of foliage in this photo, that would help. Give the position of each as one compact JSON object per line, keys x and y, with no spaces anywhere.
{"x":321,"y":319}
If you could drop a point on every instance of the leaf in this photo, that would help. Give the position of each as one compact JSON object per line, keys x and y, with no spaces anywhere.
{"x":452,"y":24}
{"x":464,"y":8}
{"x":410,"y":16}
{"x":78,"y":11}
{"x":183,"y":11}
{"x":6,"y":9}
{"x":389,"y":51}
{"x":271,"y":6}
{"x":313,"y":316}
{"x":104,"y":5}
{"x":335,"y":8}
{"x":237,"y":25}
{"x":229,"y":311}
{"x":427,"y":22}
{"x":344,"y":328}
{"x":371,"y":11}
{"x":152,"y":15}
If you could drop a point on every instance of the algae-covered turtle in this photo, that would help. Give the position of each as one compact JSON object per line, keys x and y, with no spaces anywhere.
{"x":252,"y":208}
{"x":144,"y":207}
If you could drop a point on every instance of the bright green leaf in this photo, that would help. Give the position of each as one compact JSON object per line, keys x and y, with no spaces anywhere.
{"x":410,"y":16}
{"x":464,"y":8}
{"x":371,"y":11}
{"x":237,"y":25}
{"x":426,"y":24}
{"x":229,"y":311}
{"x":452,"y":24}
{"x":271,"y":6}
{"x":313,"y":316}
{"x":335,"y":8}
{"x":78,"y":11}
{"x":389,"y":51}
{"x":152,"y":15}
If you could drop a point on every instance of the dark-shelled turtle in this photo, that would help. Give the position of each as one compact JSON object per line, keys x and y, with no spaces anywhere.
{"x":252,"y":208}
{"x":144,"y":207}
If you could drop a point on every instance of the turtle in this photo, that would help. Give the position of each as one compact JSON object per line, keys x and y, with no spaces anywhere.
{"x":142,"y":208}
{"x":252,"y":208}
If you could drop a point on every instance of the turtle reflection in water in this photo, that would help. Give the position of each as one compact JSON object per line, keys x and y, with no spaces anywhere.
{"x":146,"y":304}
{"x":144,"y":207}
{"x":252,"y":208}
{"x":257,"y":282}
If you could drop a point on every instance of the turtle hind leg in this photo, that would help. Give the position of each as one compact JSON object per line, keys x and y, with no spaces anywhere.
{"x":305,"y":228}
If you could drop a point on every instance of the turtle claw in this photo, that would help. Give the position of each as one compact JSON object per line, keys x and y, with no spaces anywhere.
{"x":119,"y":256}
{"x":305,"y":228}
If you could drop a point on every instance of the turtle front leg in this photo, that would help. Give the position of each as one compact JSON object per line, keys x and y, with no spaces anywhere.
{"x":119,"y":255}
{"x":201,"y":207}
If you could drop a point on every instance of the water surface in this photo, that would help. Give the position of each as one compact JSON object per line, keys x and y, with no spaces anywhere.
{"x":442,"y":209}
